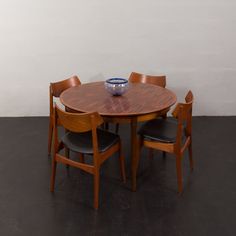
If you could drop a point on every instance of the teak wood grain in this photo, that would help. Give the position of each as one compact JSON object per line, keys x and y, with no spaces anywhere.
{"x":158,"y":80}
{"x":140,"y":99}
{"x":141,"y":102}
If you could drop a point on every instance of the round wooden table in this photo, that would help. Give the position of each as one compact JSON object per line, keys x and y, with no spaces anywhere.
{"x":141,"y":102}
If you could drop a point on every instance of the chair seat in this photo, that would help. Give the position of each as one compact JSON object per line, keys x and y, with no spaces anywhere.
{"x":160,"y":130}
{"x":82,"y":142}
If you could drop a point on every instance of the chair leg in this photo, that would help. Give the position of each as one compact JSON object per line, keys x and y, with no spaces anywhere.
{"x":190,"y":155}
{"x":50,"y":132}
{"x":96,"y":187}
{"x":164,"y":116}
{"x":117,"y":128}
{"x":106,"y":126}
{"x":53,"y":175}
{"x":138,"y":152}
{"x":122,"y":165}
{"x":179,"y":173}
{"x":81,"y":157}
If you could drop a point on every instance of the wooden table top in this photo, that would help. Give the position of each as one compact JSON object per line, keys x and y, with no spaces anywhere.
{"x":140,"y":99}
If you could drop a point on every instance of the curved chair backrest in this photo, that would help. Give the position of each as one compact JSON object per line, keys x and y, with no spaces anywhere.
{"x":58,"y":87}
{"x":159,"y":80}
{"x":77,"y":122}
{"x":183,"y":112}
{"x":189,"y":97}
{"x":186,"y":108}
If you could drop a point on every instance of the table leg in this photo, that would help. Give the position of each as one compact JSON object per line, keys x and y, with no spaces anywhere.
{"x":134,"y":143}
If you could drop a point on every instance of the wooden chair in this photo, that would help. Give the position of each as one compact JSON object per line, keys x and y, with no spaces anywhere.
{"x":159,"y":80}
{"x":171,"y":135}
{"x":55,"y":90}
{"x":83,"y":136}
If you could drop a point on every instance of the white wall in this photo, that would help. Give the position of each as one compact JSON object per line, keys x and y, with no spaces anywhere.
{"x":193,"y":42}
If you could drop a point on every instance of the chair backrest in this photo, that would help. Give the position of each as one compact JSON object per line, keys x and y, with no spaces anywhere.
{"x":159,"y":80}
{"x":56,"y":88}
{"x":189,"y":97}
{"x":183,"y":112}
{"x":186,"y":108}
{"x":78,"y":123}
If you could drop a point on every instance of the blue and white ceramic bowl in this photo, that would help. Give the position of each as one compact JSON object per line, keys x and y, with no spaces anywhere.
{"x":116,"y":86}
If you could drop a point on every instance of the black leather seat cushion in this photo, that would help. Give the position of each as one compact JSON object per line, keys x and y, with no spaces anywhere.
{"x":82,"y":142}
{"x":161,"y":130}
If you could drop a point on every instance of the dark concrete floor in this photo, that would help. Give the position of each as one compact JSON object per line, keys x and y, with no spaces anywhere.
{"x":207,"y":206}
